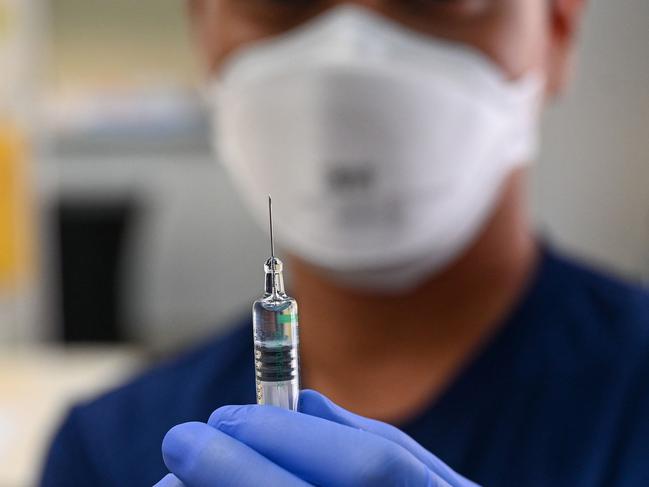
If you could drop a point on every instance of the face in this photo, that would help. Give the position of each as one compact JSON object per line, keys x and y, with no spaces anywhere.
{"x":519,"y":35}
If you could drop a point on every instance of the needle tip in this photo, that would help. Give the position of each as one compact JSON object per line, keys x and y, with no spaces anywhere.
{"x":270,"y":216}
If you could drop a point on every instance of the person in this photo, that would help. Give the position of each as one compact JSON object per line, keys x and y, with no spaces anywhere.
{"x":395,"y":138}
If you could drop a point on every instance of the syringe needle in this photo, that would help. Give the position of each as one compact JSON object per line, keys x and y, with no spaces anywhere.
{"x":270,"y":216}
{"x":272,"y":243}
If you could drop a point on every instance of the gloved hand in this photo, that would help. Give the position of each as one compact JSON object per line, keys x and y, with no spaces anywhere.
{"x":323,"y":444}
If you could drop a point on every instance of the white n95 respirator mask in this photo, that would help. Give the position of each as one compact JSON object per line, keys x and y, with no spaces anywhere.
{"x":384,"y":150}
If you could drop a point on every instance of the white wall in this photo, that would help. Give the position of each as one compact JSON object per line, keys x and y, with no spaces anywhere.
{"x":592,"y":185}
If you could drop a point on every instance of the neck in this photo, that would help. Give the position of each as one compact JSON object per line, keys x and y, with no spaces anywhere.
{"x":353,"y":344}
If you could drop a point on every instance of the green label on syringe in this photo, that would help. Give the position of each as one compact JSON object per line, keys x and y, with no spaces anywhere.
{"x":290,"y":318}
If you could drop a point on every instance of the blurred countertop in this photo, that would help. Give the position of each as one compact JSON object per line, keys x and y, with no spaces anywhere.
{"x":37,"y":386}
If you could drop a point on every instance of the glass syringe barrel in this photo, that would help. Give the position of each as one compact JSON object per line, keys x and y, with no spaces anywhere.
{"x":275,"y":328}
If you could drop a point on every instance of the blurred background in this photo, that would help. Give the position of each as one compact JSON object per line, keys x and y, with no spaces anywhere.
{"x":121,"y":239}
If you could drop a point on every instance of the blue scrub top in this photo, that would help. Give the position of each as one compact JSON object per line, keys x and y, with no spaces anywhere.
{"x":560,"y":396}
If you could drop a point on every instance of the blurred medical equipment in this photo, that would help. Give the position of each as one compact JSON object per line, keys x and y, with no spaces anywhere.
{"x":18,"y":247}
{"x":397,"y":143}
{"x":275,"y":325}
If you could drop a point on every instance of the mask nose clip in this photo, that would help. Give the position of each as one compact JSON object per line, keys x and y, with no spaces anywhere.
{"x":349,"y":33}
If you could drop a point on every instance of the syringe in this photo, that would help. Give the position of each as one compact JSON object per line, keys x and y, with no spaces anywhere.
{"x":275,"y":328}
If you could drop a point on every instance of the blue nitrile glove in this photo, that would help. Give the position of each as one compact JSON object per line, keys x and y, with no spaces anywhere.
{"x":322,"y":445}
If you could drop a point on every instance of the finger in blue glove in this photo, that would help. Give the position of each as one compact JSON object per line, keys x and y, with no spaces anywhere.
{"x":315,"y":404}
{"x":169,"y":480}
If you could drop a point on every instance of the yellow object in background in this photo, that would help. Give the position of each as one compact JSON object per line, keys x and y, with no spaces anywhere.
{"x":15,"y":225}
